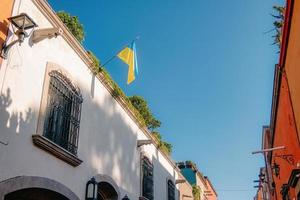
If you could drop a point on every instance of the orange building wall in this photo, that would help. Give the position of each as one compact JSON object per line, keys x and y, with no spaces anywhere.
{"x":259,"y":195}
{"x":292,"y":63}
{"x":210,"y":192}
{"x":6,"y":10}
{"x":285,"y":135}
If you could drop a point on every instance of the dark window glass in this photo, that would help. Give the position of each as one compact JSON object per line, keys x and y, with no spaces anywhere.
{"x":147,"y":179}
{"x":62,"y":112}
{"x":171,"y":190}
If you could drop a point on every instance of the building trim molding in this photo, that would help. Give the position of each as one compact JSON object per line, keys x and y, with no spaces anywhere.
{"x":23,"y":182}
{"x":54,"y":149}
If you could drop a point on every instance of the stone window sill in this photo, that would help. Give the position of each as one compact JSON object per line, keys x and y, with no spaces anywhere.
{"x":54,"y":149}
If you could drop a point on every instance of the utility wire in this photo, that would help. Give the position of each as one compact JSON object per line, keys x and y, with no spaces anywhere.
{"x":237,"y":190}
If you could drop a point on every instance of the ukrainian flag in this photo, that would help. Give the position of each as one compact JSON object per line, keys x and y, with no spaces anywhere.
{"x":128,"y":56}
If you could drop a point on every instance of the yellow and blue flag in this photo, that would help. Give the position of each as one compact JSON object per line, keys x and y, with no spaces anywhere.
{"x":128,"y":56}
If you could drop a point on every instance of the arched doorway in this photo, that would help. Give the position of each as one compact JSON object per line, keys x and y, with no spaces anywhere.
{"x":34,"y":194}
{"x":106,"y":192}
{"x":107,"y":188}
{"x":34,"y":188}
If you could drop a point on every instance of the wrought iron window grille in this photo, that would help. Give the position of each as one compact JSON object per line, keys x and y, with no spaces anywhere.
{"x":171,"y":190}
{"x":147,"y":178}
{"x":63,"y":112}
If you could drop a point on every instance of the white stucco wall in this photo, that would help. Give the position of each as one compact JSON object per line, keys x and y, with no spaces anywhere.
{"x":107,"y":138}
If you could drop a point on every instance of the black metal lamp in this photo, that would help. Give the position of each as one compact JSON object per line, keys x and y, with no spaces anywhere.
{"x":125,"y":197}
{"x":22,"y":22}
{"x":276,"y":169}
{"x":91,"y":189}
{"x":262,"y":177}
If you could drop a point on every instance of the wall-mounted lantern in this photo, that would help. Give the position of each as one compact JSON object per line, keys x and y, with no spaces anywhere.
{"x":262,"y":177}
{"x":91,"y":189}
{"x":22,"y":22}
{"x":276,"y":169}
{"x":125,"y":197}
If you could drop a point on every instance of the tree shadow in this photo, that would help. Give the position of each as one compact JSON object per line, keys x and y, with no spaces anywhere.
{"x":107,"y":140}
{"x":112,"y":149}
{"x":12,"y":123}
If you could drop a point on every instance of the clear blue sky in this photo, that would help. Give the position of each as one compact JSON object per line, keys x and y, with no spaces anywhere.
{"x":206,"y":70}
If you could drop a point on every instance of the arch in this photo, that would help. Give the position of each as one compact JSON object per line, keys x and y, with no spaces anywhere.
{"x":106,"y":191}
{"x":34,"y":194}
{"x":25,"y":182}
{"x":108,"y":183}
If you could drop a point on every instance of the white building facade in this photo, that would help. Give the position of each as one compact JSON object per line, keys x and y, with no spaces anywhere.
{"x":60,"y":125}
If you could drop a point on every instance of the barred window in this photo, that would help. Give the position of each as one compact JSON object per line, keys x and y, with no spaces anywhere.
{"x":171,"y":190}
{"x":63,"y":110}
{"x":147,"y":168}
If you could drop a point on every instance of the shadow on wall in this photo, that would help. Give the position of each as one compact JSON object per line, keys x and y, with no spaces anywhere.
{"x":106,"y":139}
{"x":161,"y":177}
{"x":13,"y":123}
{"x":115,"y":152}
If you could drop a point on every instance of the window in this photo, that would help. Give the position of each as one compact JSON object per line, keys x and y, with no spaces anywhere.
{"x":62,"y":114}
{"x":171,"y":190}
{"x":285,"y":192}
{"x":147,"y":181}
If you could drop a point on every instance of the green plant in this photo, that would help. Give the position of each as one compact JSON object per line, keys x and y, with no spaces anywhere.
{"x":73,"y":24}
{"x":118,"y":92}
{"x":162,"y":145}
{"x":196,"y":192}
{"x":142,"y":106}
{"x":278,"y":23}
{"x":96,"y":62}
{"x":166,"y":147}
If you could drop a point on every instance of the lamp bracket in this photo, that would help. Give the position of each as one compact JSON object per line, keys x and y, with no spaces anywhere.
{"x":268,"y":150}
{"x":143,"y":142}
{"x":5,"y":47}
{"x":179,"y":181}
{"x":41,"y":34}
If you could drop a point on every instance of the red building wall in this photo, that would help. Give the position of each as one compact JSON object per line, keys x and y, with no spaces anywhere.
{"x":285,"y":134}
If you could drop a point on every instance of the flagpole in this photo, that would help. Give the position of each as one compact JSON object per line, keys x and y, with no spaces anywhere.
{"x":113,"y":57}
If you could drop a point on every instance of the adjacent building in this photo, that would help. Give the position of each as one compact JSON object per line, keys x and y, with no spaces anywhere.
{"x":281,"y":138}
{"x":210,"y":192}
{"x":196,"y":179}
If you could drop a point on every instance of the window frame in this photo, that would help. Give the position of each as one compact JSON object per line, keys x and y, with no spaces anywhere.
{"x":38,"y":138}
{"x":174,"y":189}
{"x":150,"y":164}
{"x":63,"y":107}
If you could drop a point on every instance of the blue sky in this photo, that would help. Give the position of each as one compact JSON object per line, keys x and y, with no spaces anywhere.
{"x":206,"y":70}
